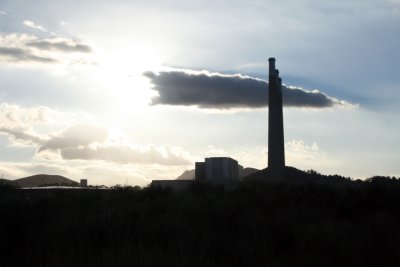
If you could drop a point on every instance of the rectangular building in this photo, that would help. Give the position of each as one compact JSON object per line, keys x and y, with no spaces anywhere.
{"x":217,"y":168}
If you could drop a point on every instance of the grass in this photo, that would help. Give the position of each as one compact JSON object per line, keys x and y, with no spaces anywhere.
{"x":256,"y":224}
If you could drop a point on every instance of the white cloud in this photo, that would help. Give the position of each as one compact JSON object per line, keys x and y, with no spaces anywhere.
{"x":212,"y":151}
{"x":102,"y":155}
{"x":12,"y":115}
{"x":22,"y":137}
{"x":23,"y":48}
{"x":31,"y":24}
{"x":305,"y":156}
{"x":18,"y":122}
{"x":150,"y":154}
{"x":297,"y":149}
{"x":76,"y":136}
{"x":90,"y":142}
{"x":87,"y":142}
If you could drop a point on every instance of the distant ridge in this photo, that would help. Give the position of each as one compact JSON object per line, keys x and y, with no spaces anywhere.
{"x":186,"y":175}
{"x":43,"y":179}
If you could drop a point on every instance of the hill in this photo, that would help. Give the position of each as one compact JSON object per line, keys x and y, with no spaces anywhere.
{"x":186,"y":175}
{"x":44,"y":179}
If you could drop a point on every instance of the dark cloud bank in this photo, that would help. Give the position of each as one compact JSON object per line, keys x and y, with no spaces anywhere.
{"x":209,"y":90}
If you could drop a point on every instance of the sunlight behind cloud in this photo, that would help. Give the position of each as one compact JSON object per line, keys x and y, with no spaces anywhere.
{"x":120,"y":71}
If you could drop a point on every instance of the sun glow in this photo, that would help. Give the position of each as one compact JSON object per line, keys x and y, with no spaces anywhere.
{"x":121,"y":74}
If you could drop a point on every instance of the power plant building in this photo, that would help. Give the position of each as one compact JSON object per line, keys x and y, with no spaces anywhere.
{"x":217,"y":169}
{"x":225,"y":170}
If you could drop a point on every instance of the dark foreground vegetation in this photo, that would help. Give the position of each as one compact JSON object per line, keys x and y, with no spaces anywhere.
{"x":315,"y":223}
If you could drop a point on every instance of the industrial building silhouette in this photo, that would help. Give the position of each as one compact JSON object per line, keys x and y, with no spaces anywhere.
{"x":84,"y":183}
{"x":225,"y":169}
{"x":217,"y":168}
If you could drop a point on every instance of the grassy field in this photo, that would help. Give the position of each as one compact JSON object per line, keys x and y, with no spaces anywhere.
{"x":345,"y":223}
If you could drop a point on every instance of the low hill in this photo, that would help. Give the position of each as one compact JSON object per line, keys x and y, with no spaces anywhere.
{"x":186,"y":175}
{"x":44,"y":179}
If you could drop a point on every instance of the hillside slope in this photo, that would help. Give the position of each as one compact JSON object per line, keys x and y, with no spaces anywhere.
{"x":44,"y":179}
{"x":186,"y":175}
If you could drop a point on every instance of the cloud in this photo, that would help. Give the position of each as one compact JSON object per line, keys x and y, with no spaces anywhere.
{"x":78,"y":135}
{"x":12,"y":115}
{"x":31,"y":24}
{"x":90,"y":142}
{"x":307,"y":156}
{"x":299,"y":150}
{"x":222,"y":91}
{"x":24,"y":135}
{"x":3,"y":12}
{"x":60,"y":44}
{"x":21,"y":48}
{"x":21,"y":55}
{"x":81,"y":141}
{"x":126,"y":154}
{"x":17,"y":122}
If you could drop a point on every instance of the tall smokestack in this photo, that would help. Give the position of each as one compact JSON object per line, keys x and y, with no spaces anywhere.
{"x":276,"y":149}
{"x":271,"y":61}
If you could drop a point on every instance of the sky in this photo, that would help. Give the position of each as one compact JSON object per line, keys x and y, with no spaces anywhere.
{"x":123,"y":92}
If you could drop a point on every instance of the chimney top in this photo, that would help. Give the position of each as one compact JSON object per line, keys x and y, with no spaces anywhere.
{"x":271,"y":59}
